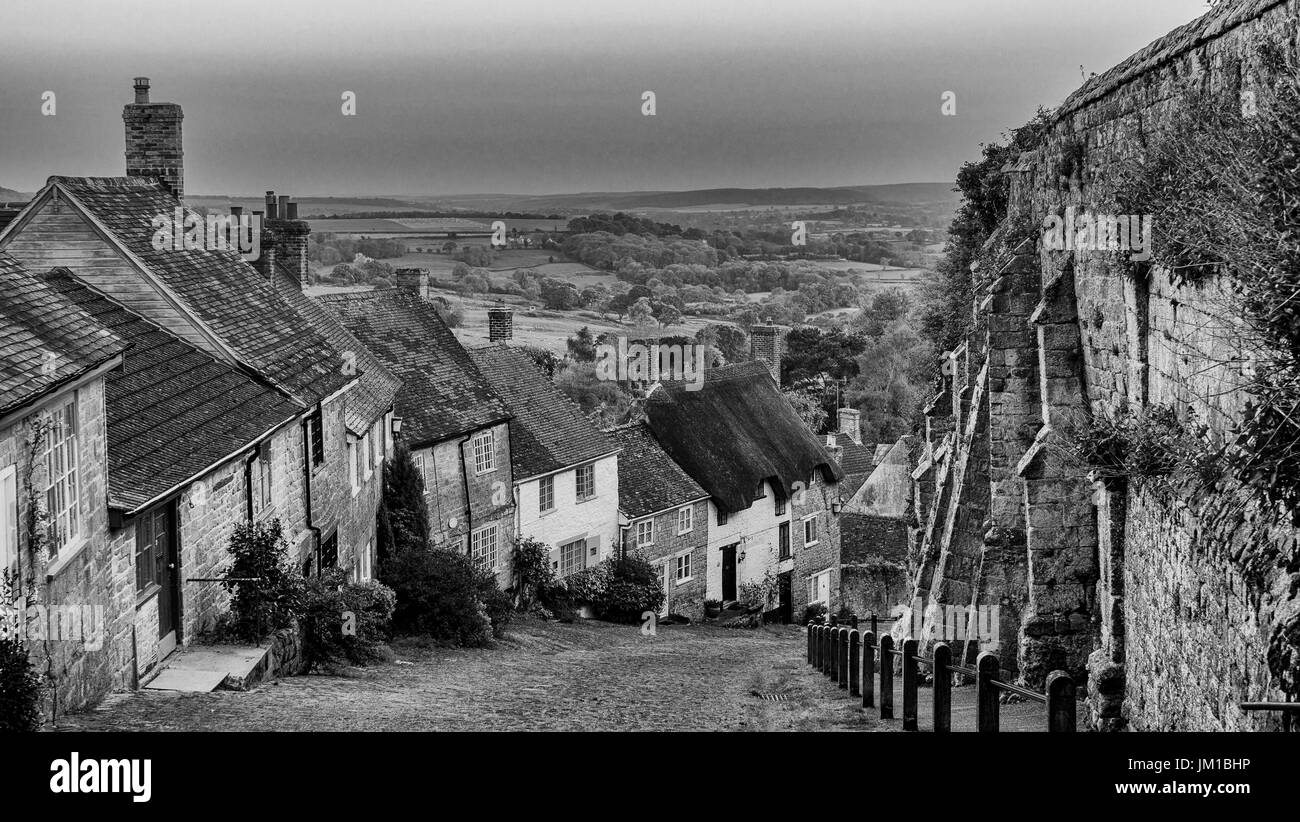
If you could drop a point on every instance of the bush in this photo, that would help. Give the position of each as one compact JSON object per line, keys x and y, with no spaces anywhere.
{"x":530,"y":566}
{"x":266,"y":593}
{"x":619,"y":589}
{"x":439,"y":595}
{"x":328,"y":601}
{"x":814,"y":613}
{"x":20,"y":685}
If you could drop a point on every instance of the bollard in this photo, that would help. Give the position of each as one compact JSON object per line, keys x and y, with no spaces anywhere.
{"x":868,"y":670}
{"x":886,"y":677}
{"x":1060,"y":702}
{"x":986,"y":693}
{"x":910,"y":677}
{"x":826,"y":644}
{"x":855,"y":663}
{"x":817,"y":647}
{"x":810,"y":642}
{"x":874,"y":630}
{"x":942,"y":689}
{"x":842,"y":661}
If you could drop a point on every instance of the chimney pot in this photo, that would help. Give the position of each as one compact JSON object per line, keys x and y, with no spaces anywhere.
{"x":154,"y":148}
{"x":270,"y":205}
{"x":236,"y":211}
{"x":141,"y":90}
{"x":293,"y":212}
{"x":282,"y":208}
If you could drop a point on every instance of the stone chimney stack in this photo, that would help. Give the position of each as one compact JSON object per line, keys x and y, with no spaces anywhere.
{"x":500,"y":323}
{"x":836,"y":452}
{"x":284,"y":239}
{"x":766,"y":344}
{"x":851,"y":424}
{"x":415,"y":280}
{"x":153,"y":140}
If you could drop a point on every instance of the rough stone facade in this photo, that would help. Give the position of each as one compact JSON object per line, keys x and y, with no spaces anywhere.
{"x":1137,"y":590}
{"x":681,"y":596}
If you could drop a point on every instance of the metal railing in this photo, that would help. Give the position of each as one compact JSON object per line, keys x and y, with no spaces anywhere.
{"x":856,"y":660}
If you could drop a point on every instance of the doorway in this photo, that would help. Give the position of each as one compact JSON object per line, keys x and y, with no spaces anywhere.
{"x":729,"y":573}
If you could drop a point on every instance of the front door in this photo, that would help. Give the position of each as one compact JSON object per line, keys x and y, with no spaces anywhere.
{"x":729,"y":573}
{"x":157,"y":543}
{"x":785,"y":606}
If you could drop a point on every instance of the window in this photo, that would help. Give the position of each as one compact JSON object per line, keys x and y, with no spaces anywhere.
{"x":645,"y":533}
{"x":354,"y":478}
{"x":8,"y":518}
{"x":682,"y":568}
{"x":151,"y":532}
{"x":377,"y":441}
{"x":483,"y":547}
{"x":810,"y":531}
{"x":759,"y":493}
{"x":780,"y":505}
{"x":62,"y":497}
{"x":259,"y":478}
{"x":388,"y":433}
{"x":586,"y":482}
{"x":783,"y":540}
{"x":418,"y":459}
{"x":329,"y":552}
{"x":316,"y":430}
{"x":722,"y":517}
{"x":361,"y":567}
{"x":573,"y":557}
{"x":546,"y":495}
{"x":366,"y":457}
{"x":685,"y":520}
{"x":485,"y":458}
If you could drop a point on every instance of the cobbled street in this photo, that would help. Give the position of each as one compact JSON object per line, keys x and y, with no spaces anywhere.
{"x":543,"y":676}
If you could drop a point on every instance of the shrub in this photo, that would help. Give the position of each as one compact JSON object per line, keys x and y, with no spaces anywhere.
{"x":814,"y":613}
{"x":555,"y":599}
{"x":618,"y":589}
{"x":496,"y":602}
{"x":439,"y":596}
{"x":329,"y":601}
{"x":20,"y":685}
{"x":266,"y":593}
{"x":530,"y":565}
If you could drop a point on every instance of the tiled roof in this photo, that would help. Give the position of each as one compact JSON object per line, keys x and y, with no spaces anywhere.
{"x":227,"y":293}
{"x":548,"y":431}
{"x":648,"y":480}
{"x":45,"y":340}
{"x":857,"y":458}
{"x":375,"y":392}
{"x":172,"y":410}
{"x":735,"y":432}
{"x":442,"y":393}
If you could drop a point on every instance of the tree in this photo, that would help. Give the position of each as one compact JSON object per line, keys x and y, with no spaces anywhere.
{"x":808,"y":405}
{"x":582,"y":346}
{"x":559,"y":295}
{"x":640,"y":311}
{"x":666,"y":313}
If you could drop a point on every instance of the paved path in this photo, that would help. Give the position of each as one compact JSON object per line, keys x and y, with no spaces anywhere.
{"x":544,"y":676}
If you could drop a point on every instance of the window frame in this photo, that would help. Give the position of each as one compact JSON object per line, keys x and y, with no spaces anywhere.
{"x":354,"y":467}
{"x":545,"y":490}
{"x":590,"y":468}
{"x":779,"y":506}
{"x":687,"y":513}
{"x":784,"y":546}
{"x":810,"y":520}
{"x":648,"y":524}
{"x":9,"y":518}
{"x":477,"y":536}
{"x":682,"y":562}
{"x":59,"y":542}
{"x":488,"y":442}
{"x":723,"y":516}
{"x":579,"y":554}
{"x":364,"y":454}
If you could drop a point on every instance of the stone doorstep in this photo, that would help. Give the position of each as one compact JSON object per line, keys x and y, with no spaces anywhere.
{"x":206,"y":668}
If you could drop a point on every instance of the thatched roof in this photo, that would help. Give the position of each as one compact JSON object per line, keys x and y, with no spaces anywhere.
{"x":736,"y":431}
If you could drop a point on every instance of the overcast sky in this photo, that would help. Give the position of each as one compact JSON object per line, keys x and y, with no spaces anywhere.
{"x":545,"y":96}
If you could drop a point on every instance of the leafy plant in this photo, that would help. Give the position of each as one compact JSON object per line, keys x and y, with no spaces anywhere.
{"x":530,"y":565}
{"x":343,"y":620}
{"x":266,"y":593}
{"x":619,"y":589}
{"x":20,"y":684}
{"x":439,"y":595}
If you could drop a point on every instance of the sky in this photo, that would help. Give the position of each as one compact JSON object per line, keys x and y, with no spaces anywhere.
{"x":497,"y":96}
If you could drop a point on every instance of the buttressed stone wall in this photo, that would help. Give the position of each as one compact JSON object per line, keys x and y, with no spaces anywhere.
{"x":1173,"y":609}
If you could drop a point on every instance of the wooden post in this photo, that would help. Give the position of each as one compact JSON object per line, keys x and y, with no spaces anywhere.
{"x":810,"y":641}
{"x":1060,"y":702}
{"x":986,"y":693}
{"x":910,"y":677}
{"x":868,"y":670}
{"x":826,"y":644}
{"x":942,"y":688}
{"x":874,"y":630}
{"x":886,"y":677}
{"x":843,"y":664}
{"x":817,"y":647}
{"x":855,"y":663}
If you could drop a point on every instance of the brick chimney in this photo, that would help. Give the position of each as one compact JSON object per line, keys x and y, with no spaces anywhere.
{"x":766,"y":344}
{"x":500,"y":323}
{"x":153,"y":140}
{"x":851,"y":424}
{"x":415,"y":280}
{"x":284,"y":239}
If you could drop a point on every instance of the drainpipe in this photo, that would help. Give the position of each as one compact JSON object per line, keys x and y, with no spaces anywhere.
{"x":306,"y":481}
{"x":469,"y":508}
{"x":248,"y":483}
